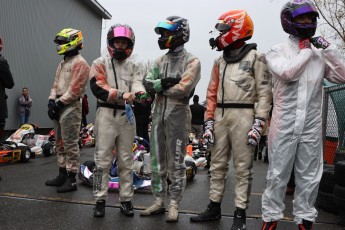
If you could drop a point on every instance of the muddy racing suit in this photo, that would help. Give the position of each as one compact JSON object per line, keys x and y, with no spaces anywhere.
{"x":233,"y":89}
{"x":69,"y":85}
{"x":109,"y":79}
{"x":171,"y":120}
{"x":295,"y":137}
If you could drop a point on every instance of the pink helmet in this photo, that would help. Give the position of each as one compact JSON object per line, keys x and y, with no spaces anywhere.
{"x":120,"y":31}
{"x":0,"y":43}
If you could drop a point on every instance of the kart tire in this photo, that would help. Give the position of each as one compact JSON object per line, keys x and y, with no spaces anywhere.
{"x":327,"y":180}
{"x":325,"y":201}
{"x":25,"y":154}
{"x":339,"y":173}
{"x":47,"y":149}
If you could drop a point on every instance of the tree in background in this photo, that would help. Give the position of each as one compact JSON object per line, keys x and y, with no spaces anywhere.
{"x":333,"y":12}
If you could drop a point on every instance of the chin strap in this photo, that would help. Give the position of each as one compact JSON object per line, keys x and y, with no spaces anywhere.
{"x":236,"y":58}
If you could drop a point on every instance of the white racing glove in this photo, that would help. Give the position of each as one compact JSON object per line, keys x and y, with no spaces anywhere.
{"x":209,"y":131}
{"x":255,"y":132}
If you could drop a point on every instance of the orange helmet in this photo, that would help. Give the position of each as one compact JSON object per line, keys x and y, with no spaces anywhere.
{"x":234,"y":26}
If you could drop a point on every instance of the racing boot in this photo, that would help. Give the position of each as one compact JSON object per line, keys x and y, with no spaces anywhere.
{"x":213,"y":212}
{"x":269,"y":225}
{"x":99,"y":209}
{"x":172,"y":215}
{"x":239,"y":219}
{"x":70,"y":184}
{"x":127,"y":208}
{"x":59,"y":180}
{"x":156,"y":208}
{"x":306,"y":225}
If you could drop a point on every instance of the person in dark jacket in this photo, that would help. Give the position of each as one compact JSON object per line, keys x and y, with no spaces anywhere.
{"x":198,"y":112}
{"x":84,"y":110}
{"x":24,"y":108}
{"x":6,"y":82}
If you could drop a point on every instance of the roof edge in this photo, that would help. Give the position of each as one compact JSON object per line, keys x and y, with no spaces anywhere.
{"x":98,"y":8}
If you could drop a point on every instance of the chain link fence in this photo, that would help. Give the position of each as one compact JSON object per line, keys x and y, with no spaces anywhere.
{"x":334,"y":123}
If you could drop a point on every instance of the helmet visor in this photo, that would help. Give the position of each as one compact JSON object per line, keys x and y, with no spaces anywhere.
{"x":168,"y":25}
{"x":222,"y":26}
{"x":304,"y":9}
{"x":121,"y":31}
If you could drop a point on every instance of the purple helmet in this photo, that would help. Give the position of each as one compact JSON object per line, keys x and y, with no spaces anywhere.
{"x":294,"y":8}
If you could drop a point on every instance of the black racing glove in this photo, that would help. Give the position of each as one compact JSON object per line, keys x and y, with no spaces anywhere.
{"x":169,"y":82}
{"x":54,"y":109}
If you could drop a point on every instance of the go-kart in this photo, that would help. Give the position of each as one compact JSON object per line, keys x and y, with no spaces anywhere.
{"x":11,"y":152}
{"x":86,"y":135}
{"x":199,"y":150}
{"x":141,"y":172}
{"x":38,"y":144}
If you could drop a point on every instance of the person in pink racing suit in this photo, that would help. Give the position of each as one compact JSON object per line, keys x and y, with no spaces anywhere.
{"x":116,"y":82}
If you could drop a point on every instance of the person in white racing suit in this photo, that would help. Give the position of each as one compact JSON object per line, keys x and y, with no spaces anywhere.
{"x":173,"y":78}
{"x":64,"y":107}
{"x":115,"y":81}
{"x":295,"y":137}
{"x":239,"y":79}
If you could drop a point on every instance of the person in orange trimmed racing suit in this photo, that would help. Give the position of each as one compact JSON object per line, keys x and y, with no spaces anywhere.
{"x":64,"y":107}
{"x":173,"y":78}
{"x":115,"y":82}
{"x":239,"y":79}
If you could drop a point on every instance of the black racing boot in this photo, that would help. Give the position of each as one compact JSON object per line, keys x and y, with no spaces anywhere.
{"x":239,"y":219}
{"x":59,"y":180}
{"x":213,"y":212}
{"x":127,"y":208}
{"x":306,"y":225}
{"x":99,"y":209}
{"x":70,"y":184}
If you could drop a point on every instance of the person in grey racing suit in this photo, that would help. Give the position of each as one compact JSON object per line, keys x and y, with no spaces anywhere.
{"x":299,"y":67}
{"x":173,"y":78}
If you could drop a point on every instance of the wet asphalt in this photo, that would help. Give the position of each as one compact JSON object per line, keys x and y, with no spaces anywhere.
{"x":26,"y":203}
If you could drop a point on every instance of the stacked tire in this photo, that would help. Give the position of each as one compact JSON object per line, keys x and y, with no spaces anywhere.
{"x":325,"y":198}
{"x":339,"y":190}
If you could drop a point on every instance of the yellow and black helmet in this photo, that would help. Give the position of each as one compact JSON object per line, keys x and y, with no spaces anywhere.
{"x":68,"y":39}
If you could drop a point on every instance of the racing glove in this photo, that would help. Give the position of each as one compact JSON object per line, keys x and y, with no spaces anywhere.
{"x":143,"y":98}
{"x":169,"y":82}
{"x":304,"y":44}
{"x":319,"y":42}
{"x":51,"y":113}
{"x":209,"y":131}
{"x":255,"y":132}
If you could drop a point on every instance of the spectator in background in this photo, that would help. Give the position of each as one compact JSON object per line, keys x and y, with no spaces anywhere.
{"x":142,"y":115}
{"x":84,"y":110}
{"x":197,"y":111}
{"x":25,"y":103}
{"x":6,"y":81}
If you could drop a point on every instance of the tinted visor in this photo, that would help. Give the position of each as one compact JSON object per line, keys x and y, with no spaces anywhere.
{"x":304,"y":9}
{"x":60,"y":40}
{"x":168,"y":25}
{"x":222,"y":26}
{"x":120,"y":31}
